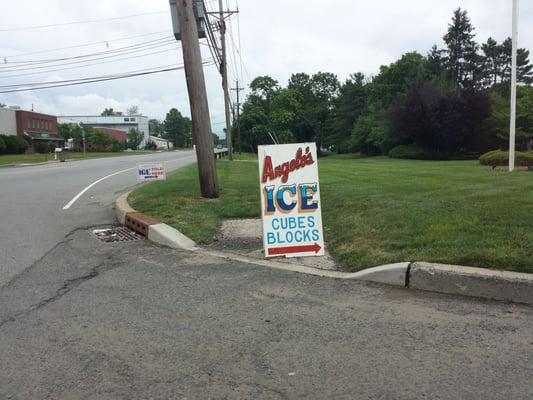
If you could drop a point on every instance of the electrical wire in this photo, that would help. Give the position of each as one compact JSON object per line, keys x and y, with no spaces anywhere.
{"x":133,"y":51}
{"x":119,"y":50}
{"x":104,"y":42}
{"x":89,"y":21}
{"x":90,"y":64}
{"x":82,"y":81}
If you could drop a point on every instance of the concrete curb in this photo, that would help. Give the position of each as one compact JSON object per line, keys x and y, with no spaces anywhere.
{"x":447,"y":279}
{"x":151,"y":228}
{"x":470,"y":281}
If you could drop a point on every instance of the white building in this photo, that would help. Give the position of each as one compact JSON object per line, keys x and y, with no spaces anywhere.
{"x":8,"y":121}
{"x":121,"y":122}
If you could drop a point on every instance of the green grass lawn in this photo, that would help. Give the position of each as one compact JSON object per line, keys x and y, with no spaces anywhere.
{"x":377,"y":210}
{"x":38,"y":158}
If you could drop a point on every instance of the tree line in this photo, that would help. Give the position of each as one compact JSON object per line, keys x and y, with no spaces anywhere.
{"x":453,"y":101}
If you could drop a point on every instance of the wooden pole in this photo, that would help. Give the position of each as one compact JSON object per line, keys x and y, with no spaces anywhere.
{"x":192,"y":59}
{"x":224,"y":71}
{"x":238,"y":89}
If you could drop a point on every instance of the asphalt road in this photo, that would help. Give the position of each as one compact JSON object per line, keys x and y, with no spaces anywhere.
{"x":32,"y":199}
{"x":83,"y":319}
{"x":92,"y":320}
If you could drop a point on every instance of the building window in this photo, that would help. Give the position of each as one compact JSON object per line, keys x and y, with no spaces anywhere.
{"x":126,"y":120}
{"x":132,"y":119}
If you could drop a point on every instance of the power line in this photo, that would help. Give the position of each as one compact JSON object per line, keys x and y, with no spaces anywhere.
{"x":51,"y":50}
{"x":90,"y":64}
{"x":119,"y":50}
{"x":132,"y":51}
{"x":89,"y":21}
{"x":82,"y":81}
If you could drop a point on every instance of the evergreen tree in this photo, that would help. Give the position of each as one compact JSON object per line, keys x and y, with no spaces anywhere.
{"x":492,"y":62}
{"x":462,"y":60}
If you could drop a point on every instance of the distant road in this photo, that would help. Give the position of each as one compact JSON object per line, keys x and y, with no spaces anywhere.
{"x":40,"y":205}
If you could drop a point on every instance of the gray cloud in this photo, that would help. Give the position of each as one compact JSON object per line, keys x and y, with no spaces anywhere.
{"x":278,"y":38}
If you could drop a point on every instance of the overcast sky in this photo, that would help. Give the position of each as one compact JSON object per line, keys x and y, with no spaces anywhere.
{"x":278,"y":38}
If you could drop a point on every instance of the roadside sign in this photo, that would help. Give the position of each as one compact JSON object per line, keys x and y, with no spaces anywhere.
{"x":151,"y":172}
{"x":290,"y":200}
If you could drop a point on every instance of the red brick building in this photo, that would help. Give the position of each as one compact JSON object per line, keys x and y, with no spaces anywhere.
{"x":116,"y":134}
{"x":42,"y":129}
{"x":113,"y":134}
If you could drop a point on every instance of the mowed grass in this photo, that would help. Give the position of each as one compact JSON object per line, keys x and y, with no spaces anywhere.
{"x":377,"y":210}
{"x":8,"y":159}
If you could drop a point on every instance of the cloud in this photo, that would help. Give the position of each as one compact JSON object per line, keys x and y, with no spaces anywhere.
{"x":278,"y":38}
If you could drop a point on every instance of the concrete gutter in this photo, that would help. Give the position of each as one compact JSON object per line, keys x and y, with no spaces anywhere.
{"x":448,"y":279}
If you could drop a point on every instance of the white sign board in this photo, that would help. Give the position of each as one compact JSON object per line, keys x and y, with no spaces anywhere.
{"x":151,"y":172}
{"x":290,"y":200}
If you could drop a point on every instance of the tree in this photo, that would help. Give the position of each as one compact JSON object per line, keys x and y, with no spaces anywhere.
{"x":462,"y":61}
{"x":178,"y":129}
{"x":108,"y":112}
{"x":98,"y":139}
{"x":349,"y":105}
{"x":524,"y":69}
{"x":437,"y":61}
{"x":155,"y":127}
{"x":492,"y":62}
{"x":369,"y":132}
{"x":316,"y":95}
{"x":135,"y":138}
{"x":439,"y":117}
{"x":216,"y":139}
{"x":498,"y":123}
{"x":132,"y":110}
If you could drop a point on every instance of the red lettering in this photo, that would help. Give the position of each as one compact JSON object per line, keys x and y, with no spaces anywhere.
{"x":283,"y":170}
{"x":268,"y":172}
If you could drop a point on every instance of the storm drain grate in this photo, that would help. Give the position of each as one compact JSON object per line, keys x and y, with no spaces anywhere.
{"x":117,"y":234}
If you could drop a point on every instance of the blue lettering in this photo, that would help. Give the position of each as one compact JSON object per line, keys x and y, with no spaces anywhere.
{"x":311,"y":222}
{"x":281,"y":201}
{"x":289,"y":237}
{"x":306,"y":197}
{"x":292,"y":223}
{"x":269,"y":190}
{"x":270,"y":238}
{"x":316,"y":235}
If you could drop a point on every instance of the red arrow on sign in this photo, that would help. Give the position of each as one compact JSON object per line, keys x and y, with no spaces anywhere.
{"x":276,"y":251}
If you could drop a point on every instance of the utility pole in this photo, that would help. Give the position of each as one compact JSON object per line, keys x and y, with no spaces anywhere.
{"x":238,"y":90}
{"x":512,"y":130}
{"x":224,"y":72}
{"x":192,"y":59}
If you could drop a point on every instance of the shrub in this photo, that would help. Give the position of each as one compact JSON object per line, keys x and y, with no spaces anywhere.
{"x":414,"y":152}
{"x":14,"y":144}
{"x":3,"y":146}
{"x":117,"y":146}
{"x":501,"y":158}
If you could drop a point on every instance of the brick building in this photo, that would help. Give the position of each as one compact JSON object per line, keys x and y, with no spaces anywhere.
{"x":41,"y":128}
{"x":114,"y":134}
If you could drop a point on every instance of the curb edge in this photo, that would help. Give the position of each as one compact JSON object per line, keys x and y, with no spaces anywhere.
{"x":481,"y":283}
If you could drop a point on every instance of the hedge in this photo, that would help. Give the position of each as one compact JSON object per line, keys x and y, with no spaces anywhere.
{"x":414,"y":152}
{"x":13,"y":144}
{"x":501,"y":158}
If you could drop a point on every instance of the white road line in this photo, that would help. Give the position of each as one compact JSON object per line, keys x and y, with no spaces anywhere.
{"x":71,"y":202}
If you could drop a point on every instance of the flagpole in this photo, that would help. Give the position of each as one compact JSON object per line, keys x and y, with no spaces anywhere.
{"x":512,"y":131}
